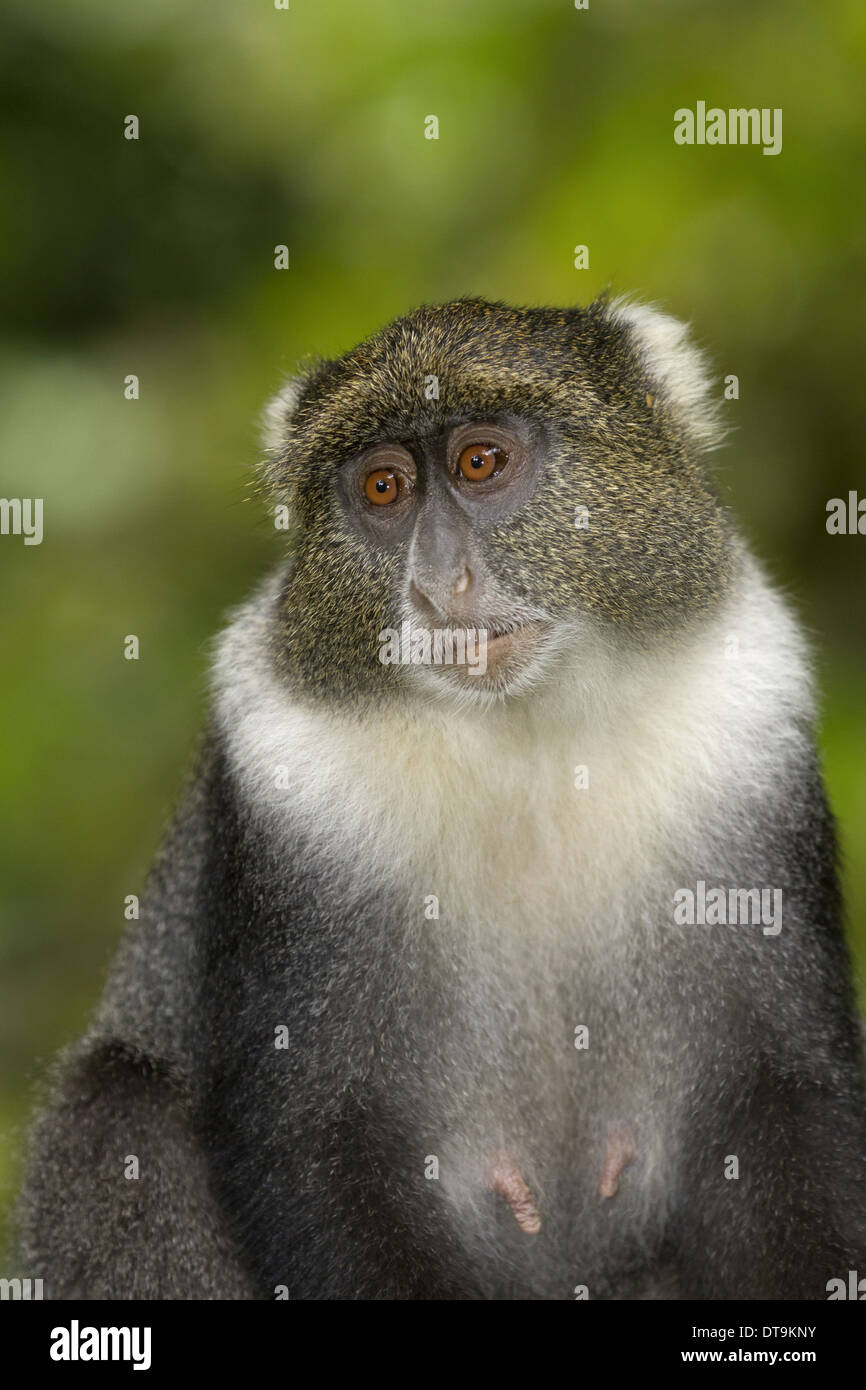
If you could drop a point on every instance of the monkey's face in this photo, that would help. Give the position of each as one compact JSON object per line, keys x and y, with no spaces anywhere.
{"x":476,"y":488}
{"x":437,"y":504}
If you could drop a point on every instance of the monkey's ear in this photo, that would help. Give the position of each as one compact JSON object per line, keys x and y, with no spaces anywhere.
{"x":677,"y":372}
{"x":277,"y":414}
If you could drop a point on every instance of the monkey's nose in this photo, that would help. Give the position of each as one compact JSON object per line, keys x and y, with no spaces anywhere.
{"x":442,"y":597}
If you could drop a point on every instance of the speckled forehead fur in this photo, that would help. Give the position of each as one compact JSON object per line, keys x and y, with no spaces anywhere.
{"x":623,"y":400}
{"x":583,"y":369}
{"x":483,"y":355}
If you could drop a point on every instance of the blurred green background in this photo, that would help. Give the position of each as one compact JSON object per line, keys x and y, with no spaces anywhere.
{"x":306,"y":127}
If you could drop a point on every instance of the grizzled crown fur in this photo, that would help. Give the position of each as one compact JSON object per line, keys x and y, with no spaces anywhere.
{"x":628,"y":365}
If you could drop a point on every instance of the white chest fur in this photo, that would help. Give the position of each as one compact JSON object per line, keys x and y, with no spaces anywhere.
{"x":545,"y":811}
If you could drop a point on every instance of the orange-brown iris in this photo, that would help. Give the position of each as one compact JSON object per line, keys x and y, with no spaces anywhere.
{"x":382,"y":487}
{"x":479,"y":461}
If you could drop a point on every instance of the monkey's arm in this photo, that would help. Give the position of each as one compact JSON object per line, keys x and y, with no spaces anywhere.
{"x":785,"y":1097}
{"x":118,"y":1200}
{"x":118,"y":1203}
{"x":795,"y":1216}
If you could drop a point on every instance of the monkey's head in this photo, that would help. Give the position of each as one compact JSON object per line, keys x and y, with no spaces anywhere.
{"x":510,"y":479}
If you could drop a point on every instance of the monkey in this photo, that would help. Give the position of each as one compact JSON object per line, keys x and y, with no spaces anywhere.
{"x":414,"y":1009}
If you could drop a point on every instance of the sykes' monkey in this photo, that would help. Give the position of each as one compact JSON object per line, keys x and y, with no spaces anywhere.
{"x":456,"y":982}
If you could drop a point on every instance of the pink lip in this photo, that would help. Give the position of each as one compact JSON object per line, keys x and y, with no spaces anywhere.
{"x":500,"y":644}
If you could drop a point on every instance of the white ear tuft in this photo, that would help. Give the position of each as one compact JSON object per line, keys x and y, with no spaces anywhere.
{"x":675,"y":365}
{"x":277,"y":414}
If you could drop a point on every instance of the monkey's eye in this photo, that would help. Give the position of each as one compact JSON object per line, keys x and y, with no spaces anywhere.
{"x":383,"y":486}
{"x":480,"y":461}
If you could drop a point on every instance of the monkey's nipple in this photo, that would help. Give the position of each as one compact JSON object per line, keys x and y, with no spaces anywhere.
{"x":620,"y":1153}
{"x":504,"y":1178}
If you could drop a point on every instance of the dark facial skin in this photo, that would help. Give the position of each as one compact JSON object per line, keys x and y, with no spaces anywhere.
{"x":433,"y":499}
{"x":430,"y":503}
{"x":393,"y":519}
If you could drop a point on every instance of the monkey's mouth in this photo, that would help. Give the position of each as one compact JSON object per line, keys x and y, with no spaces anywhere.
{"x":490,"y":657}
{"x":501,"y":640}
{"x":498,"y":641}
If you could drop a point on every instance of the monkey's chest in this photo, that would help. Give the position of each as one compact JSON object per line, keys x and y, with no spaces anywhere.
{"x":535,"y":1104}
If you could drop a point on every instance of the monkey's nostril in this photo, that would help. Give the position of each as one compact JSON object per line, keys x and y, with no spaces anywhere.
{"x":424,"y":606}
{"x":436,"y":601}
